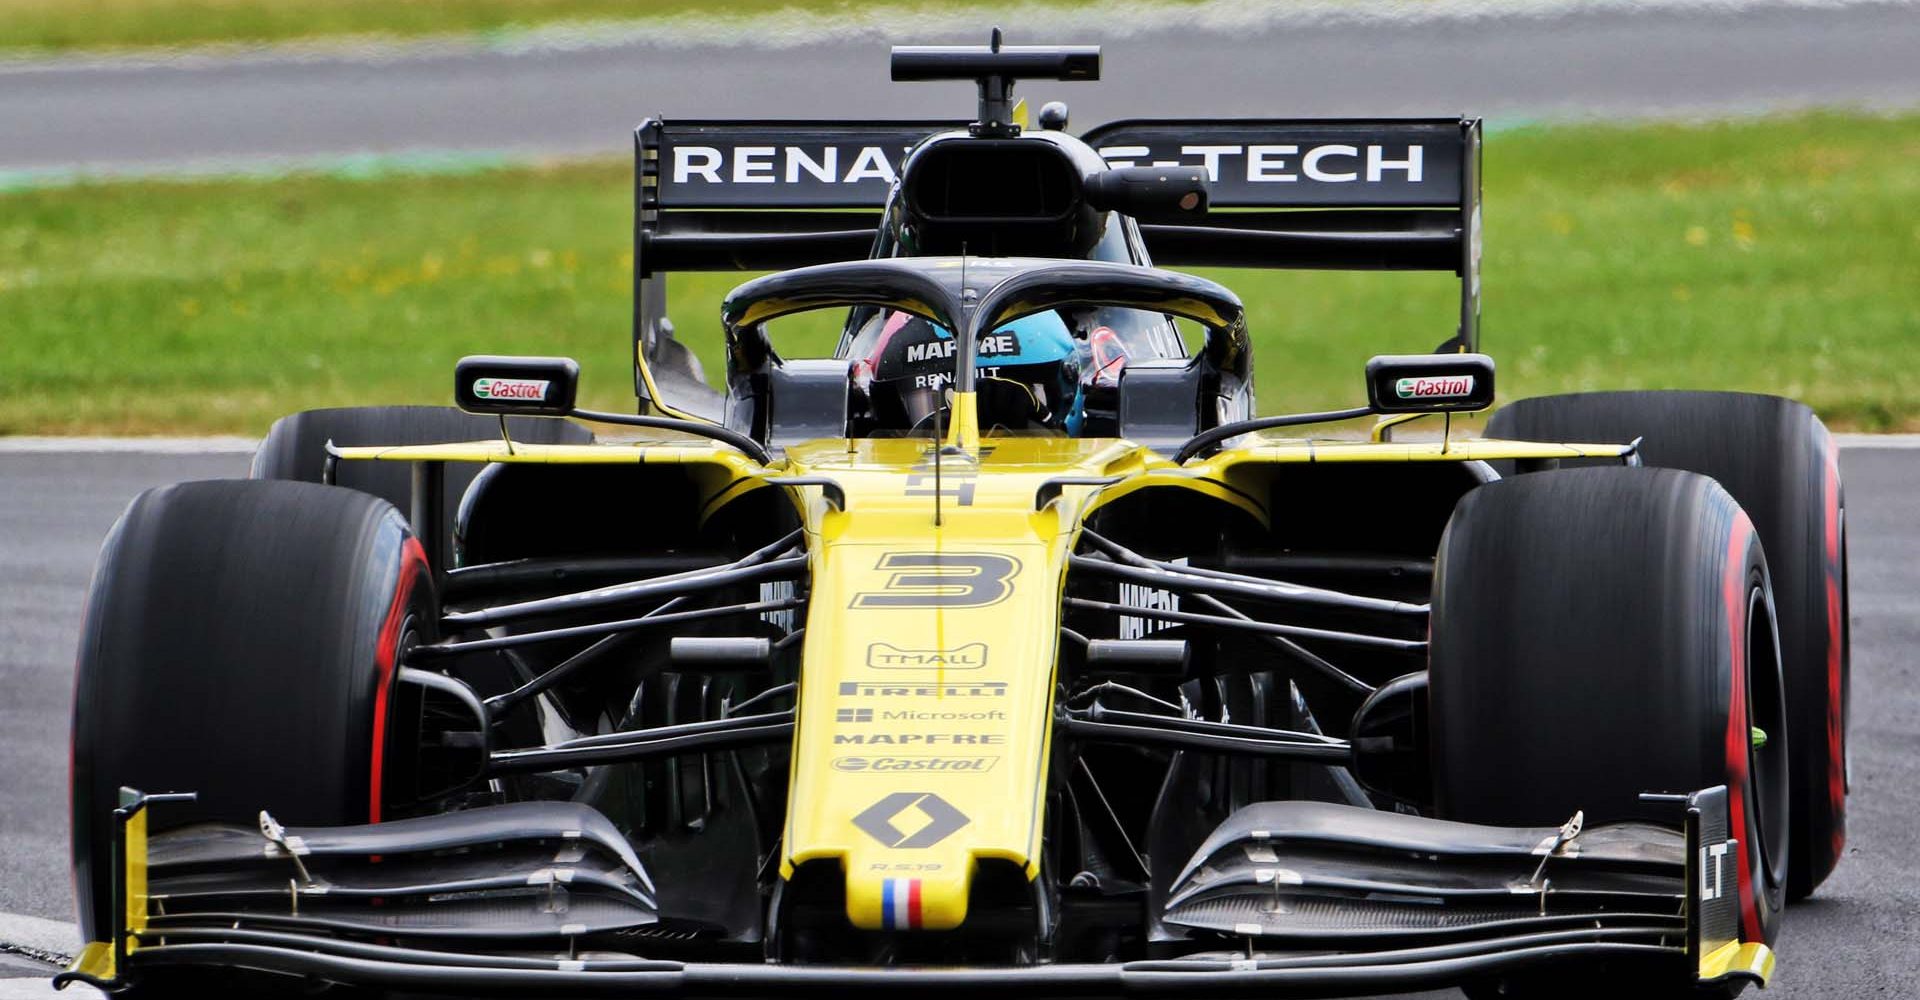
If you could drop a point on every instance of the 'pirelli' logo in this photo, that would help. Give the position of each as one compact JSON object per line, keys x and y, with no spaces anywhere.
{"x":962,"y":689}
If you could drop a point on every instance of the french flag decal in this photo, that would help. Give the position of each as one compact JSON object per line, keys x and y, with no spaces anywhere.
{"x":900,"y":904}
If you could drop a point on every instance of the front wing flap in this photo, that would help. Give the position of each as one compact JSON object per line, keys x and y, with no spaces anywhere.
{"x":1284,"y":877}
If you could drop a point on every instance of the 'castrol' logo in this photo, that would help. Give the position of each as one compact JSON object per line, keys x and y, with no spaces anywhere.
{"x":510,"y":388}
{"x":1434,"y":387}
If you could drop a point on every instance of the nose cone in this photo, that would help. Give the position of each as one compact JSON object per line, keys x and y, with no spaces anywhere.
{"x":926,"y":693}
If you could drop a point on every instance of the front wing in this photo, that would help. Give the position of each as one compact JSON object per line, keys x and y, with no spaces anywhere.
{"x":1650,"y":899}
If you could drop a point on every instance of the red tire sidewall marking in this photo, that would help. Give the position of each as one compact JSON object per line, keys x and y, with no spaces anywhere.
{"x":1836,"y":643}
{"x":413,"y":560}
{"x":1739,"y":737}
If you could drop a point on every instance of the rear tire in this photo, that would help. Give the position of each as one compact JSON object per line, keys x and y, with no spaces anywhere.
{"x":296,"y":446}
{"x":1781,"y":465}
{"x":241,"y":640}
{"x":1599,"y":633}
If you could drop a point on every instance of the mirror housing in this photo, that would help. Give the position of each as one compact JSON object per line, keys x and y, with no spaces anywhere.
{"x":535,"y":387}
{"x":1149,"y":194}
{"x":1429,"y":383}
{"x":1390,"y":735}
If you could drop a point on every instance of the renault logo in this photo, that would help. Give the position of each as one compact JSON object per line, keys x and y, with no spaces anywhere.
{"x":928,"y":819}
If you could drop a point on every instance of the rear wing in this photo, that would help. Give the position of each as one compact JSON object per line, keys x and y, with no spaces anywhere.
{"x":1341,"y":194}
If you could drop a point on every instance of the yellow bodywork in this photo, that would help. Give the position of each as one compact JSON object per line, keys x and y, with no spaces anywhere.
{"x":925,"y":700}
{"x":94,"y":961}
{"x":97,"y":958}
{"x":1737,"y":958}
{"x":135,"y":873}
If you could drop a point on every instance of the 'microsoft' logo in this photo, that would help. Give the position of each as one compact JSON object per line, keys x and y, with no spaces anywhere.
{"x":511,"y":388}
{"x":1434,"y":387}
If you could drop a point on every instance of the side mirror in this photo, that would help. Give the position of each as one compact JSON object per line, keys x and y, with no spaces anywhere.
{"x":538,"y":387}
{"x":1150,"y":194}
{"x":1429,"y":383}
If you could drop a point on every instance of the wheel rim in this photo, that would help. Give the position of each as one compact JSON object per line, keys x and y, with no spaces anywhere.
{"x":1766,"y":711}
{"x":392,"y":806}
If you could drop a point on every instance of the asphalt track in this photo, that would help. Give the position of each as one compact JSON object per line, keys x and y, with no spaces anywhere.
{"x":568,"y":94}
{"x":1856,"y":938}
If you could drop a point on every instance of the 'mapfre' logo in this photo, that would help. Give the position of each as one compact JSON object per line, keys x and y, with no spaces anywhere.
{"x":511,"y":388}
{"x":1434,"y":387}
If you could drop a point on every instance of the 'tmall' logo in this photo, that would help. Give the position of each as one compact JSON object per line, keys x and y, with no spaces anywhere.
{"x":882,"y":656}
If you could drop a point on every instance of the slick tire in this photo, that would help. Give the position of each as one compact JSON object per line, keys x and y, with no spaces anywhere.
{"x":1599,"y":633}
{"x":240,"y":642}
{"x":296,"y":446}
{"x":1779,"y":462}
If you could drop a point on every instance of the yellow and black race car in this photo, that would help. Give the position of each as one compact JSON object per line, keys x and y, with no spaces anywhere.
{"x":1006,"y":649}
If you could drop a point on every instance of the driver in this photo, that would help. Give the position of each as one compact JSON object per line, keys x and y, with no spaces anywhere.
{"x":1027,"y":374}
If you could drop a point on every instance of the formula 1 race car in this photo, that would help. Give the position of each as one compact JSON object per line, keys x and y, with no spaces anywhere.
{"x":1008,"y":648}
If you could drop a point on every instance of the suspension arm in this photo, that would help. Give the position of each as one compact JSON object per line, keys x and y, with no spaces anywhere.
{"x":640,"y":744}
{"x":673,"y":585}
{"x":1101,"y":713}
{"x":467,"y":582}
{"x":1210,"y":737}
{"x":1299,"y":653}
{"x":1248,"y":625}
{"x":650,"y":620}
{"x":1194,"y":580}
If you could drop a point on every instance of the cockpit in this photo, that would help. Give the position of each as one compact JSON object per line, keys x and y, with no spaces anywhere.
{"x":1044,"y":346}
{"x":1052,"y":372}
{"x":1056,"y":371}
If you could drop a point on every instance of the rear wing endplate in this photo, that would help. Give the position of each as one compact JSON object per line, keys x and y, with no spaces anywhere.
{"x":1341,"y":194}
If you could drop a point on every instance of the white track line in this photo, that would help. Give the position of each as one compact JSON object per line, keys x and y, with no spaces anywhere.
{"x":37,"y":988}
{"x":44,"y":935}
{"x":39,"y":932}
{"x":128,"y":445}
{"x":1878,"y":442}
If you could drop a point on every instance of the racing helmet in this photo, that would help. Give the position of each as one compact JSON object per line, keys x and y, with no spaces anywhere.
{"x":1027,"y":373}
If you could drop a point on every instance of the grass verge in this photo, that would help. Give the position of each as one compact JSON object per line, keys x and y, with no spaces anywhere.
{"x":50,"y":26}
{"x":1774,"y":255}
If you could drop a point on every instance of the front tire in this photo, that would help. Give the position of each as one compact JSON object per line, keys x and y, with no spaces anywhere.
{"x":1777,"y":459}
{"x":1599,"y":633}
{"x":241,"y":641}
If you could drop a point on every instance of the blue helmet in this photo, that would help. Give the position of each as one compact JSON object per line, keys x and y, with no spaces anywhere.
{"x":1027,"y":373}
